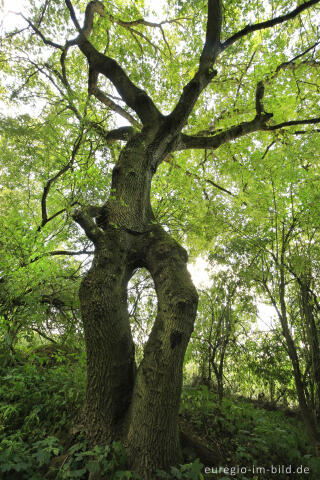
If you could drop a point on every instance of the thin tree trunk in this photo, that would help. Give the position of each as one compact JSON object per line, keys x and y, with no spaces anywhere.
{"x":313,"y":340}
{"x":306,"y":413}
{"x":308,"y":417}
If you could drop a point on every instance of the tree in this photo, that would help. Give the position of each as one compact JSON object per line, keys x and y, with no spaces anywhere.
{"x":266,"y":360}
{"x":225,"y":309}
{"x":140,"y":406}
{"x":276,"y":249}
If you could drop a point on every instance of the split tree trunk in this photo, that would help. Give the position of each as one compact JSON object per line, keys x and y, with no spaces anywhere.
{"x":139,"y":406}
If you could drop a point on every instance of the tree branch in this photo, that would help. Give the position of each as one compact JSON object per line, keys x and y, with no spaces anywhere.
{"x":73,"y":15}
{"x":100,"y":95}
{"x":168,"y":159}
{"x":84,"y":217}
{"x":46,"y":188}
{"x":268,"y":23}
{"x":213,"y":142}
{"x":310,"y":121}
{"x":292,"y":61}
{"x":258,"y":123}
{"x":70,"y":252}
{"x":205,"y":73}
{"x":123,"y":133}
{"x":134,"y":97}
{"x":61,"y":252}
{"x":212,"y":43}
{"x":259,"y":98}
{"x":39,"y":332}
{"x":43,"y":38}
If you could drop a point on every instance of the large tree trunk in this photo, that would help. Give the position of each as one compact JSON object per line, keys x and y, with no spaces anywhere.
{"x":153,"y":432}
{"x":138,"y":406}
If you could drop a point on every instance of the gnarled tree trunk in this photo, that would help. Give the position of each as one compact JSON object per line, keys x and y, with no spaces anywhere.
{"x":139,"y":406}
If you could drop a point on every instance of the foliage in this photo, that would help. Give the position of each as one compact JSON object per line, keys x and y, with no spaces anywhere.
{"x":37,"y":406}
{"x":189,"y":471}
{"x":34,"y":428}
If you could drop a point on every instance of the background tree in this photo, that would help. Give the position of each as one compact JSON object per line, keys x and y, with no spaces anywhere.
{"x":272,"y":251}
{"x":225,"y":310}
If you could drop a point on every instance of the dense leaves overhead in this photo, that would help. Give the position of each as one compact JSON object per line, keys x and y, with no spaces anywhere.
{"x":58,"y":153}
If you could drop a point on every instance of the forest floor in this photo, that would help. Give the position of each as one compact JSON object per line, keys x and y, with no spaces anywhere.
{"x":40,"y":438}
{"x":245,"y":439}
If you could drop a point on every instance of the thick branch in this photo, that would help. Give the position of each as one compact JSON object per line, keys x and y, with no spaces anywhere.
{"x":259,"y":98}
{"x":84,"y":217}
{"x":212,"y":43}
{"x":93,"y":7}
{"x":100,"y":95}
{"x":134,"y":97}
{"x":205,"y":73}
{"x":268,"y":23}
{"x":258,"y":123}
{"x":122,"y":133}
{"x":213,"y":142}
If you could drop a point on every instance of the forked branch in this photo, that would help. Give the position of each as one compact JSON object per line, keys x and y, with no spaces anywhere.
{"x":215,"y":141}
{"x":237,"y":131}
{"x":260,"y":122}
{"x":134,"y":97}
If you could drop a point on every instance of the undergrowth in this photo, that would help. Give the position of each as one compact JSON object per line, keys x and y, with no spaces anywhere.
{"x":41,"y":399}
{"x":250,"y":438}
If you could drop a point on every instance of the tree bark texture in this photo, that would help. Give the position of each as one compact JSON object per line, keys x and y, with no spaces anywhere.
{"x":139,"y":406}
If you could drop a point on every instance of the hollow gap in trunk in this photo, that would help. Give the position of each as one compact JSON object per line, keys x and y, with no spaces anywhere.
{"x":142,"y":307}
